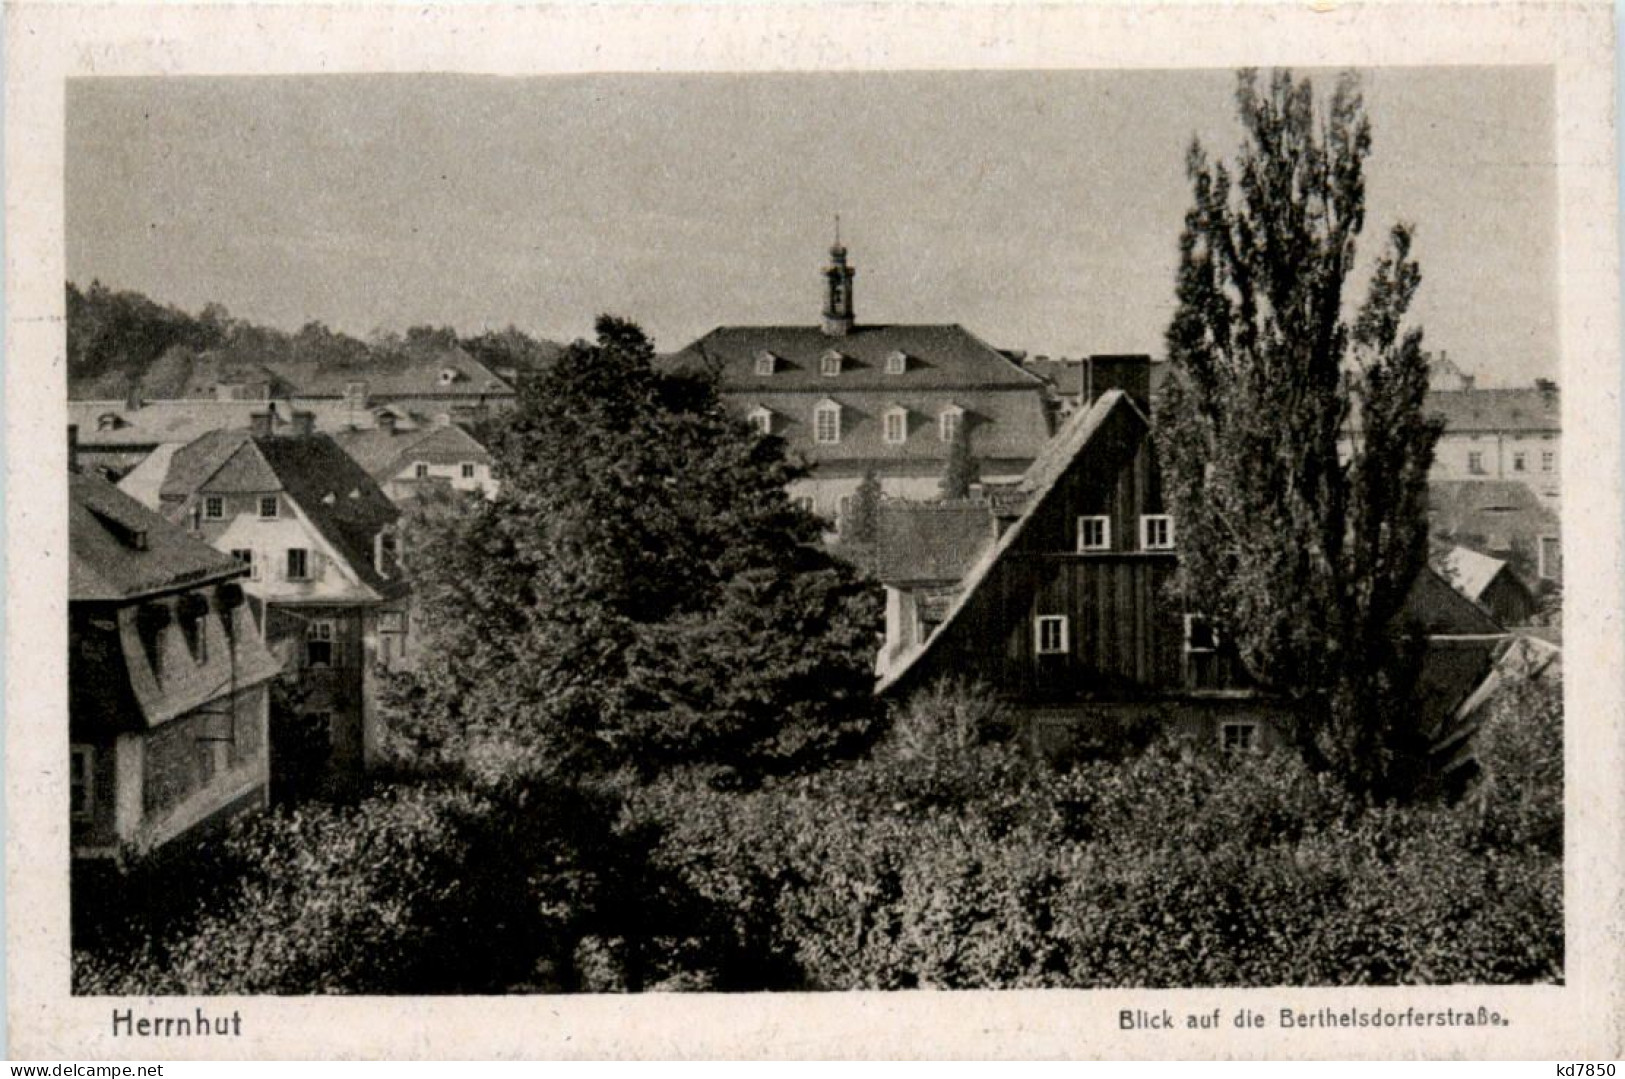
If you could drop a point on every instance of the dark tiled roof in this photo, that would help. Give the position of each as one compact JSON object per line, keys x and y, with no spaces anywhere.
{"x":939,"y":357}
{"x":107,"y":561}
{"x":337,"y":496}
{"x":383,"y":453}
{"x":924,"y":542}
{"x":1523,"y":409}
{"x":1007,"y":424}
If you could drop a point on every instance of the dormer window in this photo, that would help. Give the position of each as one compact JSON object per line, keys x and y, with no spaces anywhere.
{"x":897,"y":363}
{"x":896,"y":426}
{"x":761,"y":419}
{"x":766,"y":363}
{"x":830,"y":363}
{"x":949,"y":421}
{"x":448,"y":375}
{"x":827,"y":423}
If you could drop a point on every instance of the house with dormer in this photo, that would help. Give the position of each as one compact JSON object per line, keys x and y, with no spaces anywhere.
{"x":406,"y":461}
{"x":168,"y":678}
{"x":319,"y":539}
{"x":849,"y":397}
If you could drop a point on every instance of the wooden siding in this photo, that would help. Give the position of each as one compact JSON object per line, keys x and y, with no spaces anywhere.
{"x":1125,"y":627}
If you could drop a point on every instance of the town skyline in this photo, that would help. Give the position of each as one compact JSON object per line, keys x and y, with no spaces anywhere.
{"x":1039,"y":210}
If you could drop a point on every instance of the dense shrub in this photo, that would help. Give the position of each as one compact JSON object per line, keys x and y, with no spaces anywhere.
{"x":423,"y":889}
{"x":948,"y":858}
{"x":947,"y":861}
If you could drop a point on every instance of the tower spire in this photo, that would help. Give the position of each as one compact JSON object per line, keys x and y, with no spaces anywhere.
{"x":838,"y":316}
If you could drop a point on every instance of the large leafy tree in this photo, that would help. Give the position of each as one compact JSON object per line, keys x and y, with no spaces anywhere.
{"x":642,"y":593}
{"x":1292,"y":430}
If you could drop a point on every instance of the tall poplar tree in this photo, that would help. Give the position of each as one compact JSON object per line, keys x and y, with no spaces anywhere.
{"x":1292,"y":429}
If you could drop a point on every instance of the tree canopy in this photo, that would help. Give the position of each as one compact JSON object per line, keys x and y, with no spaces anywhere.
{"x":642,"y":592}
{"x":1292,"y":430}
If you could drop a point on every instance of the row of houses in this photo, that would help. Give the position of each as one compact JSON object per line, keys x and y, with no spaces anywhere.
{"x":277,"y":508}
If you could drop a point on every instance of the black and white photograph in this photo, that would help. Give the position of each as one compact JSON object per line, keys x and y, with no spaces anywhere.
{"x":817,"y":531}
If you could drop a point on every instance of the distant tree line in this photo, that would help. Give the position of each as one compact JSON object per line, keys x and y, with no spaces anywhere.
{"x":122,"y":341}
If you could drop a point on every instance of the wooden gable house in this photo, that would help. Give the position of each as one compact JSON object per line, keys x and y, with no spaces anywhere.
{"x":1072,"y":601}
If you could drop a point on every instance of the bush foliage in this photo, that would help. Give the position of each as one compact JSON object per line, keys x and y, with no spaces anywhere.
{"x":946,"y":858}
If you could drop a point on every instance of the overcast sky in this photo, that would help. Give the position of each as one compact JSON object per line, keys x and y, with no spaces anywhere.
{"x":1041,"y":211}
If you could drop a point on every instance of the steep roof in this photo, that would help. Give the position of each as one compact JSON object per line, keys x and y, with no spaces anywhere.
{"x":1528,"y":409}
{"x":339,"y":498}
{"x":1041,"y":479}
{"x":383,"y":453}
{"x":120,"y":550}
{"x":1471,"y":572}
{"x":938,"y":357}
{"x":919,"y":542}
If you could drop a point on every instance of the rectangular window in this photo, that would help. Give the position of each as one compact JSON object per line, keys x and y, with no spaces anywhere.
{"x":1238,"y":737}
{"x":1156,"y":532}
{"x":214,"y":507}
{"x":246,"y":557}
{"x":392,"y":621}
{"x":1094,"y":533}
{"x":827,"y":426}
{"x":1051,"y":633}
{"x":82,"y":782}
{"x":896,"y":363}
{"x":1517,"y":461}
{"x":764,"y":364}
{"x":1550,"y":558}
{"x":844,"y":510}
{"x":420,"y":470}
{"x":1475,"y":463}
{"x":268,"y":506}
{"x":298,"y":564}
{"x":803,"y":502}
{"x":762,"y":420}
{"x":1548,"y":460}
{"x":468,"y":471}
{"x":896,"y":427}
{"x":948,"y":426}
{"x":1200,"y":635}
{"x":319,"y":643}
{"x":830,"y":364}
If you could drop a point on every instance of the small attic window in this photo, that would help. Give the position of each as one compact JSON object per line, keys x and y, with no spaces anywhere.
{"x":766,"y":363}
{"x":108,"y":421}
{"x":897,"y":363}
{"x":448,"y":375}
{"x":830,"y":363}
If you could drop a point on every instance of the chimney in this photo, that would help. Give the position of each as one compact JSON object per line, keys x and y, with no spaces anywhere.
{"x":132,"y":397}
{"x":259,"y":424}
{"x":304,"y":423}
{"x":386,"y":422}
{"x":1129,"y":373}
{"x":73,"y":447}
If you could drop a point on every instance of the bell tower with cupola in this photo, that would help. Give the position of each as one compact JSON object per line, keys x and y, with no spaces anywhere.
{"x":838,"y":276}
